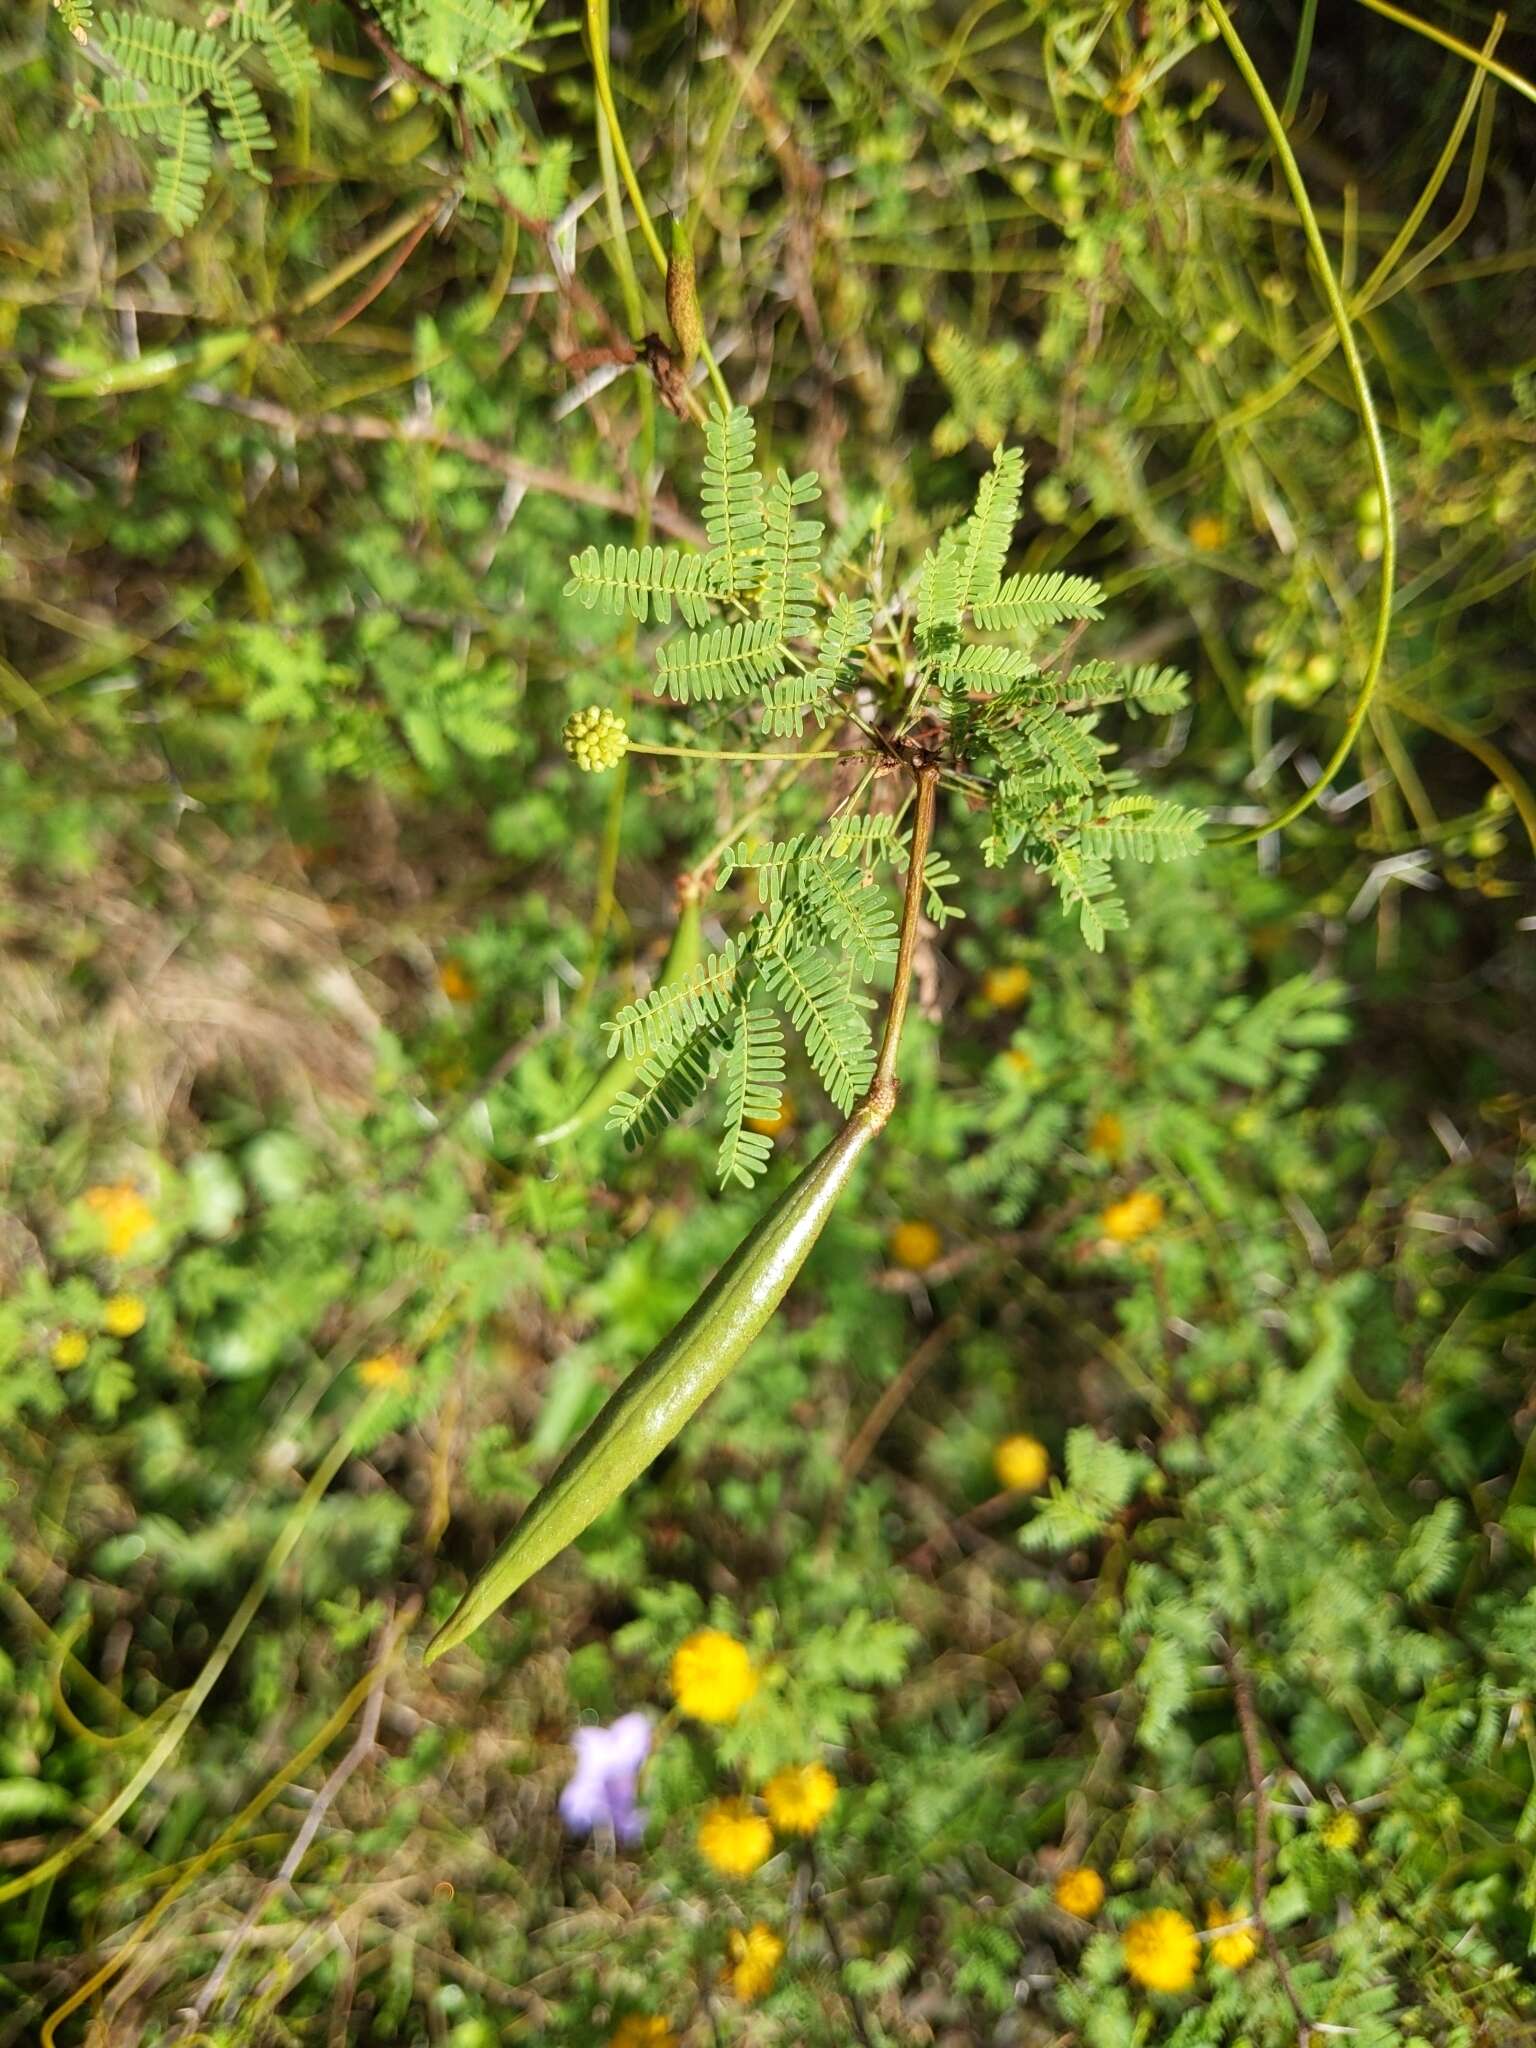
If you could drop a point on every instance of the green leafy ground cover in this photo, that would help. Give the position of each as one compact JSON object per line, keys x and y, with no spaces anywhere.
{"x":326,"y":389}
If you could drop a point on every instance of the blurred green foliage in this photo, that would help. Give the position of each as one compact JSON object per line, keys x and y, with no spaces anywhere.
{"x":309,"y":924}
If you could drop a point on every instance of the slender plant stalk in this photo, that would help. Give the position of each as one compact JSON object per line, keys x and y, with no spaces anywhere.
{"x":1516,"y":80}
{"x":597,"y":36}
{"x":169,"y":1739}
{"x":1367,"y":405}
{"x":717,"y":754}
{"x":299,"y":1761}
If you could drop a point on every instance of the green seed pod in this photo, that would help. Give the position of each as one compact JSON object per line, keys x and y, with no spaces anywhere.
{"x":683,"y":313}
{"x":686,"y":951}
{"x":643,"y":1416}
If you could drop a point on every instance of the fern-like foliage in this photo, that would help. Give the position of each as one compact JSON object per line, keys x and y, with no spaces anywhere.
{"x":725,"y":662}
{"x":176,"y":87}
{"x":461,"y":42}
{"x":790,"y":698}
{"x":959,"y":655}
{"x":781,"y":867}
{"x":76,"y":16}
{"x":637,"y":582}
{"x":271,"y":27}
{"x":754,"y":1079}
{"x":667,"y":1084}
{"x":678,"y":1009}
{"x":1030,"y":603}
{"x":785,"y":602}
{"x":816,"y":991}
{"x":732,"y":498}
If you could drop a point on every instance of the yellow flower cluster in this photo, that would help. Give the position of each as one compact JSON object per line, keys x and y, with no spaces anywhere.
{"x":123,"y":1315}
{"x":386,"y":1369}
{"x":734,"y":1839}
{"x":915,"y":1245}
{"x":737,"y":1841}
{"x":800,"y":1797}
{"x":123,"y":1214}
{"x":1162,"y":1950}
{"x":596,"y":739}
{"x":1134,"y":1217}
{"x":754,"y":1960}
{"x":1004,"y":988}
{"x":1234,"y":1951}
{"x":1079,"y":1891}
{"x":712,"y":1676}
{"x":1341,"y":1832}
{"x":70,"y":1348}
{"x":1106,"y":1136}
{"x":1206,"y":531}
{"x":1022,"y":1464}
{"x":642,"y":2030}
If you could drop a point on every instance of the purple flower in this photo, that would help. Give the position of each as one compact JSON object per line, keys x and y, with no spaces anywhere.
{"x":602,"y":1787}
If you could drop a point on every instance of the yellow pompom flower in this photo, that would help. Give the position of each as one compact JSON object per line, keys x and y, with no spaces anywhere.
{"x":1206,"y":531}
{"x":1134,"y":1217}
{"x":1004,"y":988}
{"x":386,"y":1369}
{"x":596,"y":739}
{"x":123,"y":1315}
{"x":642,"y":2030}
{"x":1022,"y":1464}
{"x":1341,"y":1831}
{"x":455,"y":983}
{"x":124,"y":1216}
{"x":1106,"y":1136}
{"x":915,"y":1245}
{"x":755,"y":1958}
{"x":800,"y":1797}
{"x":1079,"y":1891}
{"x":1234,"y":1951}
{"x":70,"y":1348}
{"x":1162,"y":1950}
{"x":712,"y":1676}
{"x":734,"y":1839}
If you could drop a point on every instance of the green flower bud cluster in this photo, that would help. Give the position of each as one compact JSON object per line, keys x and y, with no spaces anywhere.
{"x":596,"y":739}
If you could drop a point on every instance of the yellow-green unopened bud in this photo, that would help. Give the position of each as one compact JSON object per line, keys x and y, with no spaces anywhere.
{"x":683,"y":298}
{"x":596,"y":739}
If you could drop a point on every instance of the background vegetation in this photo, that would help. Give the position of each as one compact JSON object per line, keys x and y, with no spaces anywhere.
{"x":326,"y":351}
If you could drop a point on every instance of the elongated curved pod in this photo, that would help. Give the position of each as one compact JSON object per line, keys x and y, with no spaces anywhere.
{"x":660,"y":1395}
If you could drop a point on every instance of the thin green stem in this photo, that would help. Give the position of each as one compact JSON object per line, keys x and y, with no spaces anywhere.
{"x":775,"y":788}
{"x":597,"y":36}
{"x":727,"y":114}
{"x":192,"y":1700}
{"x":1298,"y":75}
{"x":1502,"y":72}
{"x":1378,"y":453}
{"x":720,"y":754}
{"x":642,"y":455}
